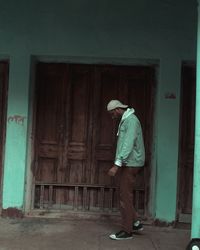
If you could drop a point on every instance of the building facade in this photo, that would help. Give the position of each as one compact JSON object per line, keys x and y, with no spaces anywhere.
{"x":60,"y":65}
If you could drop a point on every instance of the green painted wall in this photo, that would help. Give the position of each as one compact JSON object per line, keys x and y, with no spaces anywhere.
{"x":16,"y":137}
{"x":167,"y":140}
{"x":103,"y":31}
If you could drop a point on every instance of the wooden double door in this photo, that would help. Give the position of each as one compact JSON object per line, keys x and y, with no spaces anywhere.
{"x":75,"y":137}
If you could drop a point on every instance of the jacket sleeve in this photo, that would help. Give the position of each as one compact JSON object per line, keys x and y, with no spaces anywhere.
{"x":127,"y":142}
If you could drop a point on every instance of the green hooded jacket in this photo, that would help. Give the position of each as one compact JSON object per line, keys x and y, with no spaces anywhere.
{"x":130,"y":145}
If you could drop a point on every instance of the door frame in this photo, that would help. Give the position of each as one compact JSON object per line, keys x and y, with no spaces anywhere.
{"x":5,"y":64}
{"x":182,"y":217}
{"x":28,"y":207}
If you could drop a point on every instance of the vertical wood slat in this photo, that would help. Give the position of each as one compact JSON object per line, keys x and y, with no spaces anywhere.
{"x":102,"y":193}
{"x":42,"y":196}
{"x":85,"y":193}
{"x":76,"y":198}
{"x":110,"y":199}
{"x":50,"y":195}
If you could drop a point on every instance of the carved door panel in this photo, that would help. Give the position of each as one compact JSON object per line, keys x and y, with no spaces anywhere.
{"x":3,"y":101}
{"x":78,"y":137}
{"x":187,"y":141}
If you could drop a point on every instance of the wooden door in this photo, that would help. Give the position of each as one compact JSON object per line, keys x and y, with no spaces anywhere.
{"x":133,"y":86}
{"x":49,"y":142}
{"x":187,"y":142}
{"x":3,"y":102}
{"x":74,"y":166}
{"x":78,"y":136}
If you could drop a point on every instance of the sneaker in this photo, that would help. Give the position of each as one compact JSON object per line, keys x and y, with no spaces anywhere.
{"x":137,"y":226}
{"x":121,"y":235}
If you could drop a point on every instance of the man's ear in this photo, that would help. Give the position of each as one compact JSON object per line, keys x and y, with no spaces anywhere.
{"x":119,"y":111}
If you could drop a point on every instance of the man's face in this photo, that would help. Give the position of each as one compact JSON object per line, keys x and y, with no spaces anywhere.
{"x":114,"y":113}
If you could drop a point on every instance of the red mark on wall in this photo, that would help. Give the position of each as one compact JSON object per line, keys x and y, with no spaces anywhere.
{"x":19,"y":119}
{"x":170,"y":96}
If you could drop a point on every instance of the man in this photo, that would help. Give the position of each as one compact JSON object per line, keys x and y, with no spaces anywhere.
{"x":129,"y":159}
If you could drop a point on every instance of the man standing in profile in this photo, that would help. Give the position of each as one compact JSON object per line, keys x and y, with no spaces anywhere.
{"x":129,"y":159}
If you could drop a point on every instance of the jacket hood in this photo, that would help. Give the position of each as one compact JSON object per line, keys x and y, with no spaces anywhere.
{"x":126,"y":114}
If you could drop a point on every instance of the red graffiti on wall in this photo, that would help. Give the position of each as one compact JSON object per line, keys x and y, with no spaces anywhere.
{"x":19,"y":119}
{"x":170,"y":96}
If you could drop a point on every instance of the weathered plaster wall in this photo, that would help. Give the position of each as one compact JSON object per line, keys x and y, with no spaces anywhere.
{"x":99,"y":31}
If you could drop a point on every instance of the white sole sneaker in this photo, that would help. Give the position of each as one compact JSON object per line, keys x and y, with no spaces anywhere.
{"x":114,"y":237}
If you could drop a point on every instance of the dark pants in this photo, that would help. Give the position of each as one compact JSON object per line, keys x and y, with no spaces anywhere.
{"x":127,"y":210}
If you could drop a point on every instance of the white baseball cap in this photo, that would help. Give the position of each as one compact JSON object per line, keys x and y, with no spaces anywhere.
{"x":113,"y":104}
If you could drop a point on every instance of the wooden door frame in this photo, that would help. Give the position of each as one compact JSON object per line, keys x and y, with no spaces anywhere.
{"x":29,"y":188}
{"x":181,"y":217}
{"x":5,"y":64}
{"x":92,"y":61}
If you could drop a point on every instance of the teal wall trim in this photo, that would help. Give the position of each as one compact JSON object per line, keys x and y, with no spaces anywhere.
{"x":16,"y":136}
{"x":195,"y":233}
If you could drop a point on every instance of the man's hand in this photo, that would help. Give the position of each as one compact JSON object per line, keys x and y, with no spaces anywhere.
{"x":112,"y":171}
